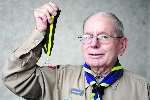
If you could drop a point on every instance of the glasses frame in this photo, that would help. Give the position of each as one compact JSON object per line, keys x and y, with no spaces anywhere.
{"x":92,"y":37}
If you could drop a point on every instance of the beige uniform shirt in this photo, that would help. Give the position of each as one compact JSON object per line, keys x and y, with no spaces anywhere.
{"x":65,"y":82}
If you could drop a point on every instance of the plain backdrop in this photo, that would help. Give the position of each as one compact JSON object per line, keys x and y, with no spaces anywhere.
{"x":17,"y":22}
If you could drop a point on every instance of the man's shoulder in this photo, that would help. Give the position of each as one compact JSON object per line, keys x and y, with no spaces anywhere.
{"x":70,"y":73}
{"x":62,"y":67}
{"x":134,"y":77}
{"x":65,"y":71}
{"x":68,"y":67}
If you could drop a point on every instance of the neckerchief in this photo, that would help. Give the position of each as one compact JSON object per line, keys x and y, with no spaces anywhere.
{"x":98,"y":89}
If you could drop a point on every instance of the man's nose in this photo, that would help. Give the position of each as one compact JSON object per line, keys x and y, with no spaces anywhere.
{"x":95,"y":43}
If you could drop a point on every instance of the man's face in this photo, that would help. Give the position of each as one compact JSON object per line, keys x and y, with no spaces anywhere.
{"x":96,"y":53}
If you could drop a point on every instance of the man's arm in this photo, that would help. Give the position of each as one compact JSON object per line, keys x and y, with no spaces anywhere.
{"x":21,"y":73}
{"x":148,"y":87}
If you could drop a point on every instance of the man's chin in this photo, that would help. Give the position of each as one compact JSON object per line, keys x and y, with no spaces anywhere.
{"x":95,"y":63}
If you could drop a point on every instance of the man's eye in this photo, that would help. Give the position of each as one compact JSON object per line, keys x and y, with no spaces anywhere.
{"x":103,"y":37}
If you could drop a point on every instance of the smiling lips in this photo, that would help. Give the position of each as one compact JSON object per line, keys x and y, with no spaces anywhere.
{"x":96,"y":55}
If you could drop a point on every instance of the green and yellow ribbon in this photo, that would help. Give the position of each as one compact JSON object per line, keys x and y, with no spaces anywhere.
{"x":48,"y":44}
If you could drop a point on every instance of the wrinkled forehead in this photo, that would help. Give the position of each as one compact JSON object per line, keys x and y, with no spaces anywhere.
{"x":99,"y":23}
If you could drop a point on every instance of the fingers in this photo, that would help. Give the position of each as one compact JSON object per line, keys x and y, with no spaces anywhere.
{"x":55,"y":8}
{"x":43,"y":14}
{"x":48,"y":10}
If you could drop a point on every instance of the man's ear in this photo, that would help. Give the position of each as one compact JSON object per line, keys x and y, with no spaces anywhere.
{"x":123,"y":45}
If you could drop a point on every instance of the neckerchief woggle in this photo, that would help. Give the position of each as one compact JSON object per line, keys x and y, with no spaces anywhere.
{"x":98,"y":89}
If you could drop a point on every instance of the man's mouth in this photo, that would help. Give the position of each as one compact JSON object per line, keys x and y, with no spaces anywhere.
{"x":96,"y":55}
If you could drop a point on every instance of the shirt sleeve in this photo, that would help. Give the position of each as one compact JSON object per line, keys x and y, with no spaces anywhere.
{"x":21,"y":73}
{"x":148,"y":87}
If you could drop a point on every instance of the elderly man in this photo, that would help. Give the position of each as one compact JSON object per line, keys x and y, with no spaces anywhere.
{"x":101,"y":77}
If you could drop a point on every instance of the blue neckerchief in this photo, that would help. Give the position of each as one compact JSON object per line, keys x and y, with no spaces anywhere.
{"x":98,"y":89}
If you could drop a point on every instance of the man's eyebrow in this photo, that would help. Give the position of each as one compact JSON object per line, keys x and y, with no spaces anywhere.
{"x":102,"y":33}
{"x":98,"y":33}
{"x":88,"y":33}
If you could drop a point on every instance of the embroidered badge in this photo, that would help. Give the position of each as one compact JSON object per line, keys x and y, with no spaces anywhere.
{"x":77,"y":91}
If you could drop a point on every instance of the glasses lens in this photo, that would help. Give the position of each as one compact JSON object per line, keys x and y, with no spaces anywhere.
{"x":86,"y":38}
{"x":103,"y":37}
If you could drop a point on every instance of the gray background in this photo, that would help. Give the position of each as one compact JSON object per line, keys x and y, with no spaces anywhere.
{"x":16,"y":23}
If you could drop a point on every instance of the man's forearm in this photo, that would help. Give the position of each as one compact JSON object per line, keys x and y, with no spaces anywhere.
{"x":22,"y":63}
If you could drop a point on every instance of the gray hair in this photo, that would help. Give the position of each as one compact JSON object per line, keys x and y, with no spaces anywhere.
{"x":115,"y":20}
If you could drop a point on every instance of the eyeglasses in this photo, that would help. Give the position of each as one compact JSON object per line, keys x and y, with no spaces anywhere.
{"x":103,"y":38}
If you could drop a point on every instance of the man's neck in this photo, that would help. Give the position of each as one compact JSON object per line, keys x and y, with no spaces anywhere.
{"x":105,"y":69}
{"x":101,"y":70}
